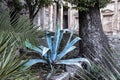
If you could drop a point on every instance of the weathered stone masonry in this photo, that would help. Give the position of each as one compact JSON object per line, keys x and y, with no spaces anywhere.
{"x":68,"y":17}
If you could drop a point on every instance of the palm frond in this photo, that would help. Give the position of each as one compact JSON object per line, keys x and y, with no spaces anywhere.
{"x":20,"y":30}
{"x":104,"y":69}
{"x":10,"y":62}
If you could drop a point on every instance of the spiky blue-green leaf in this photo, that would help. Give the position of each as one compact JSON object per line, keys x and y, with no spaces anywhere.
{"x":33,"y":62}
{"x":69,"y":47}
{"x":65,"y":51}
{"x":44,"y":51}
{"x":75,"y":61}
{"x":70,"y":63}
{"x":30,"y":46}
{"x":49,"y":40}
{"x":57,"y":40}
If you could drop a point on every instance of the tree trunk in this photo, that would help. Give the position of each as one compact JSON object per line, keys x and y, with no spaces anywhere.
{"x":31,"y":16}
{"x":94,"y":41}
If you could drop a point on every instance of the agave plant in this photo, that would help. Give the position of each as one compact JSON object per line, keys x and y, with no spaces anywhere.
{"x":51,"y":55}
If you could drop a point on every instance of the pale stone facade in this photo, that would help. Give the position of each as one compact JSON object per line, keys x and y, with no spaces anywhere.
{"x":46,"y":18}
{"x":68,"y":18}
{"x":110,"y":16}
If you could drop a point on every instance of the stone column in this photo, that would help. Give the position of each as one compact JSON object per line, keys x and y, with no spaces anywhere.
{"x":42,"y":18}
{"x":54,"y":16}
{"x":115,"y":22}
{"x":119,"y":16}
{"x":61,"y":17}
{"x":39,"y":16}
{"x":69,"y":18}
{"x":51,"y":18}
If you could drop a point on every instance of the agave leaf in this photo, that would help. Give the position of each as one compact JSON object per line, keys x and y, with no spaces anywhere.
{"x":49,"y":41}
{"x":77,"y":60}
{"x":55,"y":44}
{"x":50,"y":45}
{"x":57,"y":40}
{"x":67,"y":47}
{"x":45,"y":50}
{"x":32,"y":62}
{"x":69,"y":63}
{"x":65,"y":51}
{"x":74,"y":41}
{"x":29,"y":45}
{"x":74,"y":61}
{"x":67,"y":30}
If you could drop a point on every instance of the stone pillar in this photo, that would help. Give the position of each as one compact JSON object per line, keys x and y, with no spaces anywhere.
{"x":51,"y":18}
{"x":39,"y":16}
{"x":54,"y":16}
{"x":43,"y":18}
{"x":61,"y":17}
{"x":115,"y":22}
{"x":119,"y":16}
{"x":69,"y":18}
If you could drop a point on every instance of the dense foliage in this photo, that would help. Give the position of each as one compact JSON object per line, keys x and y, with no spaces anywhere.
{"x":33,"y":6}
{"x":86,"y":4}
{"x":11,"y":63}
{"x":12,"y":36}
{"x":19,"y":30}
{"x":30,"y":6}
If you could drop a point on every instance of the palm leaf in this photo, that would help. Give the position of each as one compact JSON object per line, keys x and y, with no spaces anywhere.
{"x":19,"y":30}
{"x":10,"y":64}
{"x":105,"y":69}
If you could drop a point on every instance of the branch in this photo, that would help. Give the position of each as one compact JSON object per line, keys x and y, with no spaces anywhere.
{"x":35,"y":12}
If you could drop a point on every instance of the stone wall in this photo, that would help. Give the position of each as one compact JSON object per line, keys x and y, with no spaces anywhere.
{"x":110,"y":17}
{"x":46,"y":17}
{"x":67,"y":17}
